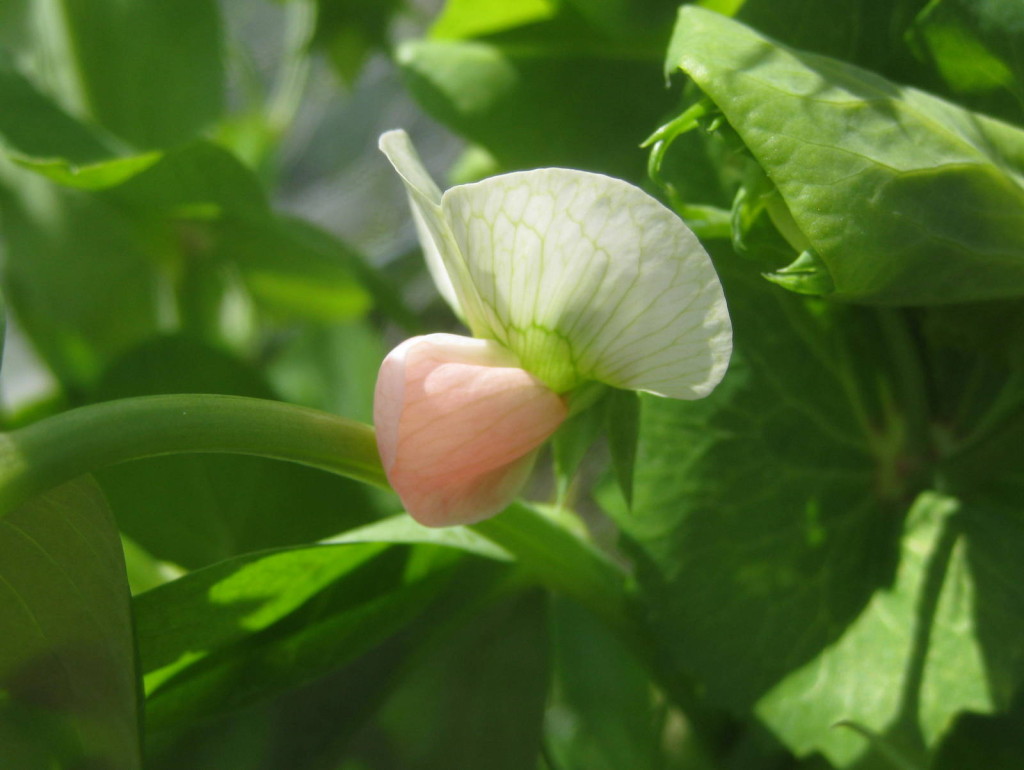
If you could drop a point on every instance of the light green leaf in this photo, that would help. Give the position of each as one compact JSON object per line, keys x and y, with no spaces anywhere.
{"x":906,"y":198}
{"x":871,"y":676}
{"x":470,"y":18}
{"x":192,"y":617}
{"x":67,"y":665}
{"x":93,"y":176}
{"x":586,"y":277}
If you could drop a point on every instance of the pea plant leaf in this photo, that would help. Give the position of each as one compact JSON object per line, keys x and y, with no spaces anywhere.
{"x":265,"y":623}
{"x":931,"y":214}
{"x":68,"y":694}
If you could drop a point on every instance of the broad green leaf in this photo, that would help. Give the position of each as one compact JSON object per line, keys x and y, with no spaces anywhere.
{"x":295,"y":269}
{"x":904,"y":198}
{"x":210,"y":609}
{"x":871,"y":676}
{"x":149,"y":72}
{"x":193,"y":510}
{"x":68,"y":694}
{"x":471,"y":18}
{"x":403,"y":529}
{"x":974,"y":660}
{"x":602,"y":713}
{"x":939,"y":642}
{"x":570,"y":445}
{"x":93,"y":176}
{"x":763,"y":516}
{"x":198,"y":179}
{"x":364,"y":609}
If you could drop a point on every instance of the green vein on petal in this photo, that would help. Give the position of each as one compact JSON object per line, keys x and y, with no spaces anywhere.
{"x":588,"y":277}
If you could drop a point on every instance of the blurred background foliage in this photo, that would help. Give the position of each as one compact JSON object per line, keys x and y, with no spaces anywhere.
{"x":191,"y":200}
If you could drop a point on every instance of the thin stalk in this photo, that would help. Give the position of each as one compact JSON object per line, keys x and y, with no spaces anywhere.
{"x":59,"y":448}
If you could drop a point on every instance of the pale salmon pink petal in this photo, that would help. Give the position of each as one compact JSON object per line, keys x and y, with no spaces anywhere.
{"x":457,"y":425}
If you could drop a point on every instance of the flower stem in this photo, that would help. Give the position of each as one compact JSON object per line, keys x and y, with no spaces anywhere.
{"x":60,"y":448}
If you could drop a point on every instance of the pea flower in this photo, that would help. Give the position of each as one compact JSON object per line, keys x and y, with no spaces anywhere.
{"x":563,"y":277}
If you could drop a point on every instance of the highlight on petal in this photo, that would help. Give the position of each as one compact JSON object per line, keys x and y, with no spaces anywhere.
{"x":458,"y":422}
{"x":588,"y":277}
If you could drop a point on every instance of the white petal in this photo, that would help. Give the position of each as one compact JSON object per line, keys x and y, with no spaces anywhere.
{"x":588,"y":277}
{"x":446,"y":265}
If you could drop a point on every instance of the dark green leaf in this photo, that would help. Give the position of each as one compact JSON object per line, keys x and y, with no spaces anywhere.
{"x":32,"y":124}
{"x":623,"y":431}
{"x":995,"y":743}
{"x":351,"y":30}
{"x":764,"y":515}
{"x":865,"y":32}
{"x":570,"y":444}
{"x":602,"y":714}
{"x":68,"y":695}
{"x":476,"y":701}
{"x":904,"y":197}
{"x":977,"y":46}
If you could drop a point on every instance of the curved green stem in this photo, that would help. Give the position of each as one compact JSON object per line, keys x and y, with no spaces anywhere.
{"x":59,"y":448}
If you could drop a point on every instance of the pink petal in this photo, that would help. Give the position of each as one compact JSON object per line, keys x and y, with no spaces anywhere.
{"x":457,"y":425}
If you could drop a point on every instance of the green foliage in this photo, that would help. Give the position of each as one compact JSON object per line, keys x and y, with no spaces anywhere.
{"x":816,"y":567}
